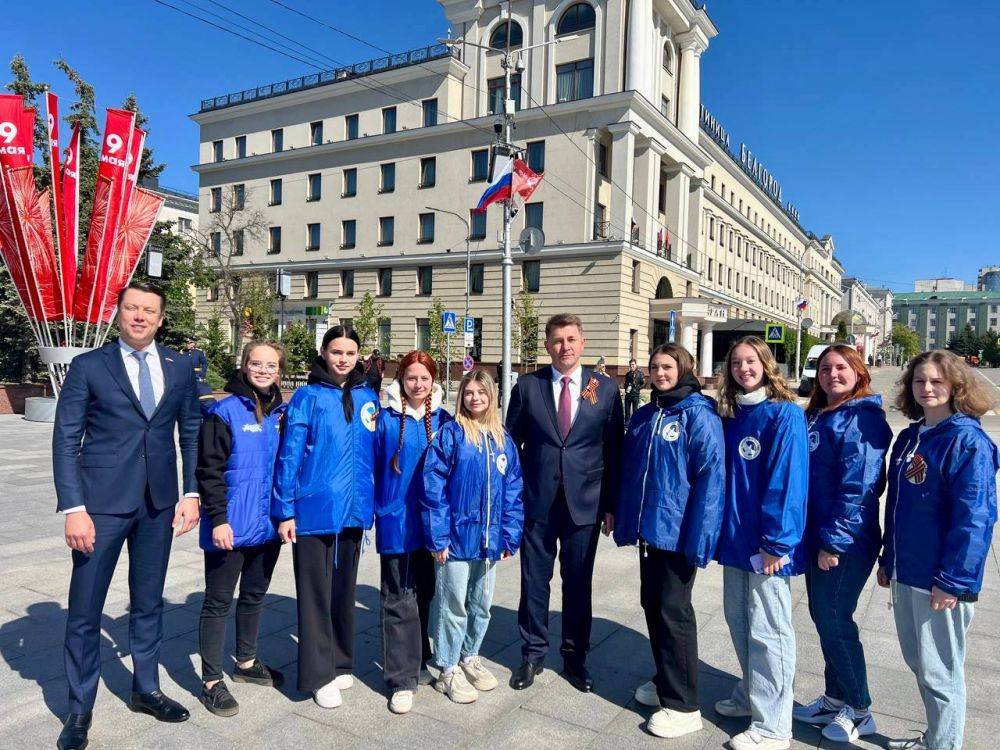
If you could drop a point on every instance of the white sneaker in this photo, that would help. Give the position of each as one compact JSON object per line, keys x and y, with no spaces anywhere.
{"x":328,"y":696}
{"x":456,"y":686}
{"x":477,"y":674}
{"x":669,"y":723}
{"x":732,"y":709}
{"x":344,"y":681}
{"x":401,"y":702}
{"x":849,"y":725}
{"x":425,"y":677}
{"x":914,"y":744}
{"x":645,"y":695}
{"x":820,"y":712}
{"x":751,"y":740}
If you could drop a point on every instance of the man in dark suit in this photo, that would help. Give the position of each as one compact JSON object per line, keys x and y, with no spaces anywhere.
{"x":115,"y":472}
{"x":567,"y":421}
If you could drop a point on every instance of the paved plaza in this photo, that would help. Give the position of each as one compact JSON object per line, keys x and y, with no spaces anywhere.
{"x":34,"y":579}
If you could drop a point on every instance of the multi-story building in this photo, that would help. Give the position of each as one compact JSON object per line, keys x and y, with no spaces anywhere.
{"x":942,"y":284}
{"x":937,"y":316}
{"x":883,"y":297}
{"x":988,"y":279}
{"x":863,"y":314}
{"x":178,"y":207}
{"x":365,"y":177}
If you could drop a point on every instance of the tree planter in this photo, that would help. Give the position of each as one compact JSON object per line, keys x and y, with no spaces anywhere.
{"x":13,"y":395}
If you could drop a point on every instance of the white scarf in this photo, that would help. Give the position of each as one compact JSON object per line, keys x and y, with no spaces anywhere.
{"x":753,"y":398}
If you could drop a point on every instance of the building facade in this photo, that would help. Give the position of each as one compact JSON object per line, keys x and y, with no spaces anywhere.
{"x":178,"y":207}
{"x":364,"y":178}
{"x":988,"y":279}
{"x":942,"y":284}
{"x":937,"y":316}
{"x":863,"y":314}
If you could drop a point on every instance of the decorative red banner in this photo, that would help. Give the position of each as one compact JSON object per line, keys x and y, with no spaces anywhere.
{"x":70,"y":240}
{"x":135,"y":232}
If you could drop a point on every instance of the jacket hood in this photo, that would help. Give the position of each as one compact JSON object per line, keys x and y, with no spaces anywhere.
{"x":686,"y":386}
{"x":956,"y":422}
{"x":393,"y":393}
{"x":320,"y":374}
{"x":239,"y":385}
{"x":872,"y":402}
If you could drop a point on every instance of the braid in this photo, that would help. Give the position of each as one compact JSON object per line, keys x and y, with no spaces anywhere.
{"x":427,"y":418}
{"x":399,"y":448}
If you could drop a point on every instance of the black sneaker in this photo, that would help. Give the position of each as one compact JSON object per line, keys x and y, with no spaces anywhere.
{"x":219,"y":700}
{"x":258,"y":674}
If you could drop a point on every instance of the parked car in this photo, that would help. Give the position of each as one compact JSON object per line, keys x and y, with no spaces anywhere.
{"x":809,"y":369}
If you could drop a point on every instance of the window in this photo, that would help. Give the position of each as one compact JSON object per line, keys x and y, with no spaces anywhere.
{"x":216,"y":150}
{"x":426,"y":229}
{"x":384,"y":282}
{"x":477,"y":277}
{"x":389,"y":120}
{"x":315,"y":190}
{"x":430,"y":107}
{"x":531,"y":271}
{"x":602,"y":160}
{"x":575,"y":80}
{"x":386,"y":230}
{"x":477,"y":340}
{"x":273,"y":240}
{"x":636,"y":275}
{"x":423,"y":334}
{"x":216,"y":239}
{"x":215,"y":200}
{"x":275,"y":197}
{"x":350,"y":183}
{"x":385,"y":336}
{"x":312,"y":232}
{"x":480,"y":165}
{"x":668,"y":57}
{"x":494,"y":89}
{"x":661,"y":198}
{"x":577,"y":17}
{"x":238,"y":242}
{"x":316,"y":133}
{"x":348,"y":233}
{"x":387,"y":178}
{"x":351,"y":127}
{"x":277,"y":140}
{"x":184,"y":226}
{"x":477,"y":225}
{"x":499,"y":40}
{"x":711,"y":265}
{"x":665,"y":106}
{"x":348,"y":323}
{"x":533,"y":215}
{"x":241,"y":146}
{"x":425,"y":280}
{"x":212,"y":293}
{"x":347,"y":283}
{"x":239,"y":196}
{"x":428,"y":172}
{"x":312,"y":284}
{"x":536,"y":156}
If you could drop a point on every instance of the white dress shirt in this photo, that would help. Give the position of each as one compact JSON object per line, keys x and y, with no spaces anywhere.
{"x":575,"y":378}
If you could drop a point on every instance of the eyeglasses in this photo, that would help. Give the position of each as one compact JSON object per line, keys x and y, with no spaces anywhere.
{"x":263,"y":366}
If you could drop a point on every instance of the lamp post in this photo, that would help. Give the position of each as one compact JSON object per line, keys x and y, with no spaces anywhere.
{"x":468,"y":269}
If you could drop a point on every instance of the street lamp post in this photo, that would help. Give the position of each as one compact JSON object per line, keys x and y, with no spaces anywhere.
{"x":468,"y":273}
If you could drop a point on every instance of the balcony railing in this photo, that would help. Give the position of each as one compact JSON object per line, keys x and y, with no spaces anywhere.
{"x":323,"y":78}
{"x":602,"y":230}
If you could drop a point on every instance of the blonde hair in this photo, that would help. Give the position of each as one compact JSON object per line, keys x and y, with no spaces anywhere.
{"x":968,"y":394}
{"x":772,"y":381}
{"x":472,"y":425}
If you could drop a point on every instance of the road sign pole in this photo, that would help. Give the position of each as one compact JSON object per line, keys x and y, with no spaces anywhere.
{"x":447,"y":377}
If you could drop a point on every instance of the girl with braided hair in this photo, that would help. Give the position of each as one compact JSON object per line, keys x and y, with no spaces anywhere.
{"x":412,"y":419}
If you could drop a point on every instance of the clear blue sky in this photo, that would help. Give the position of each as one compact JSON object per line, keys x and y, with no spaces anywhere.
{"x":880,"y":119}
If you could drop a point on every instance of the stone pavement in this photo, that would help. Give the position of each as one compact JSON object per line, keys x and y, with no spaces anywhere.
{"x":34,"y":578}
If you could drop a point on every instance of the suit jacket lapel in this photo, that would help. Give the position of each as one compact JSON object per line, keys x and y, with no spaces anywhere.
{"x":585,"y":374}
{"x":167,"y":366}
{"x":545,"y":388}
{"x":113,"y":360}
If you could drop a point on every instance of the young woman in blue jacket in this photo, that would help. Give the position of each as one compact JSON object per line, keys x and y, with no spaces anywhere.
{"x":473,"y":516}
{"x":405,"y":429}
{"x":767,"y":465}
{"x":940,"y":511}
{"x":670,"y":503}
{"x":324,"y":497}
{"x":848,"y":441}
{"x":237,"y":447}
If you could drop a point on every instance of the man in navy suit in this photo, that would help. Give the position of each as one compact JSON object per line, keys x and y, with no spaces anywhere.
{"x":115,"y":469}
{"x":568,"y":422}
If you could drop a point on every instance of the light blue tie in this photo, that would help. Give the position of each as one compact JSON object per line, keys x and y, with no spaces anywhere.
{"x":146,"y":398}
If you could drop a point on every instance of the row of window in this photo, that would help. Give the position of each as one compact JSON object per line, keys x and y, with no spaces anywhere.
{"x":576,"y":18}
{"x":757,"y":256}
{"x":758,"y":221}
{"x":749,"y":287}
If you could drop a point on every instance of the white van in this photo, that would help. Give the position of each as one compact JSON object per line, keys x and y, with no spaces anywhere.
{"x":809,"y":368}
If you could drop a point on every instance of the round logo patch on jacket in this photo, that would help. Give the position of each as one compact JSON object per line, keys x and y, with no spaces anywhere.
{"x":502,"y":463}
{"x":916,"y":469}
{"x":671,"y":431}
{"x":368,"y":413}
{"x":813,"y":441}
{"x":749,"y":448}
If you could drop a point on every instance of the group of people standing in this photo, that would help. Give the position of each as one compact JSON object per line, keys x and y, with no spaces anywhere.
{"x":751,"y":481}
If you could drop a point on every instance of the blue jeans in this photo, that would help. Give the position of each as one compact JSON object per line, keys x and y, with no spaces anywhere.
{"x":758,"y":611}
{"x":933,"y":646}
{"x":833,"y":597}
{"x":460,"y":612}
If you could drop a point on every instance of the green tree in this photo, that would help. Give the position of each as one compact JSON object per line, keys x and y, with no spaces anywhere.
{"x":148,"y":168}
{"x":990,"y":347}
{"x":300,"y":347}
{"x":808,"y":341}
{"x":907,"y":340}
{"x":441,"y":343}
{"x":526,"y":329}
{"x":214,"y":340}
{"x":366,"y":317}
{"x":258,"y":311}
{"x":841,"y":334}
{"x":965,"y":343}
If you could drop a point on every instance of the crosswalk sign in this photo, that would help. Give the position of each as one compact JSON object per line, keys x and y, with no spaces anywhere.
{"x":774,"y":333}
{"x":449,"y":322}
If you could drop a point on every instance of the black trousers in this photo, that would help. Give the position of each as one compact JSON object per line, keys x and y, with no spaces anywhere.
{"x":576,"y":547}
{"x":631,"y":404}
{"x":406,"y":593}
{"x":252,"y":567}
{"x":326,"y":573}
{"x":666,"y":580}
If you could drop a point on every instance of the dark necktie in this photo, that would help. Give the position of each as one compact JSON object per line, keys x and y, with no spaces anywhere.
{"x":147,"y":399}
{"x":565,"y":408}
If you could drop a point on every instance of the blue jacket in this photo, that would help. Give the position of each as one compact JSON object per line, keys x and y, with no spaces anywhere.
{"x":767,"y":478}
{"x":941,"y":506}
{"x":236,"y":460}
{"x":325,"y":478}
{"x":472,"y":496}
{"x":673,"y":479}
{"x":847,"y":449}
{"x":398,"y":526}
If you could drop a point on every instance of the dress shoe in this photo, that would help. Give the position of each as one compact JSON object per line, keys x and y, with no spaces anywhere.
{"x":524,"y":675}
{"x":578,"y":677}
{"x":74,"y":732}
{"x":159,"y":706}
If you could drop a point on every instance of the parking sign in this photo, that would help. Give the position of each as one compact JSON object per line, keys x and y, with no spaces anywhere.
{"x":470,"y":325}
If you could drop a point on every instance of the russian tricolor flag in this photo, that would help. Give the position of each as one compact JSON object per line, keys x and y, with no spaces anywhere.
{"x":510,"y":177}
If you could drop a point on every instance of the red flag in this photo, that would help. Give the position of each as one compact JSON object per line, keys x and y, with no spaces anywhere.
{"x":69,"y":242}
{"x":31,"y":215}
{"x":52,"y":113}
{"x":135,"y":231}
{"x":11,"y":254}
{"x":525,"y":180}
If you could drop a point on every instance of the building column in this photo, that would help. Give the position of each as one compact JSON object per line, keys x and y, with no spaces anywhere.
{"x":678,"y":212}
{"x":705,"y":350}
{"x":622,"y":171}
{"x":590,"y":190}
{"x":647,"y":181}
{"x":692,"y":44}
{"x":688,"y":335}
{"x":638,"y":72}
